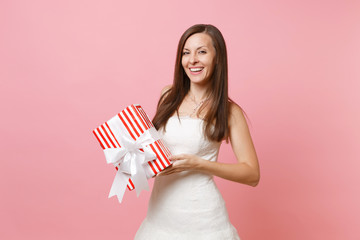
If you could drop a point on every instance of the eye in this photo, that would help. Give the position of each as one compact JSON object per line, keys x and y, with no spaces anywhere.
{"x":202,"y":51}
{"x":184,"y":53}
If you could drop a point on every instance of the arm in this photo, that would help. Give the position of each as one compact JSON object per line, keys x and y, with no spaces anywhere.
{"x":246,"y":171}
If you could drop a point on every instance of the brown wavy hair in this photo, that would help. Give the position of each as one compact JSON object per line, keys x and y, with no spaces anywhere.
{"x":218,"y":106}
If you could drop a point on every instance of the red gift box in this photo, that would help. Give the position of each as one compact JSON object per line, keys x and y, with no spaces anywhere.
{"x":131,"y":142}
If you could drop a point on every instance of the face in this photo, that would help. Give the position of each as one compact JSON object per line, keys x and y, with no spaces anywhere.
{"x":198,"y":58}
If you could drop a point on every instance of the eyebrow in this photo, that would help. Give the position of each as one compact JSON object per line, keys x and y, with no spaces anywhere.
{"x":196,"y":49}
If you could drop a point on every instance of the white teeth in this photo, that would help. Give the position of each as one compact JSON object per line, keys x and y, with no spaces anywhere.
{"x":196,"y":69}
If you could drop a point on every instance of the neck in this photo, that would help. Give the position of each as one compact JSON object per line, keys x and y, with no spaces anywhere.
{"x":198,"y":92}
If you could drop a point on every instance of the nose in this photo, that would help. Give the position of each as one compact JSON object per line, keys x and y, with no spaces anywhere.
{"x":193,"y":59}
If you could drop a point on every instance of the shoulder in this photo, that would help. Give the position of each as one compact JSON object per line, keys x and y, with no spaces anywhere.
{"x":236,"y":115}
{"x":164,"y":92}
{"x":165,"y":89}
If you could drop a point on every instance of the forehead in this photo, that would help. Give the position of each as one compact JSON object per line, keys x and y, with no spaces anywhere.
{"x":197,"y":40}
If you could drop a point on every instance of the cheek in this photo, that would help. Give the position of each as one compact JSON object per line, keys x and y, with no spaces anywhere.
{"x":209,"y":60}
{"x":210,"y":63}
{"x":211,"y":67}
{"x":183,"y":63}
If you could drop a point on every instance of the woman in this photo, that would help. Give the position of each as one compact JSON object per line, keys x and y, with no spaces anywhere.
{"x":194,"y":115}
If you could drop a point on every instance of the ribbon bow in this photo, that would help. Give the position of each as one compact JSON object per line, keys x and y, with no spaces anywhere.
{"x":131,"y":157}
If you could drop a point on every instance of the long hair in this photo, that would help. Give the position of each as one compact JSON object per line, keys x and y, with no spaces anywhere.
{"x":218,"y":106}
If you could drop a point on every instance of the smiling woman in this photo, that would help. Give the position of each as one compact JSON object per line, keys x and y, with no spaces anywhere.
{"x":194,"y":115}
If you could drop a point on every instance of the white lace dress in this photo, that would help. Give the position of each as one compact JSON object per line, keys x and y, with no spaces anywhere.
{"x":187,"y":205}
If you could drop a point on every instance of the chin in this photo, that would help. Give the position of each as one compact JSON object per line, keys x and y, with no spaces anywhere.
{"x":199,"y":81}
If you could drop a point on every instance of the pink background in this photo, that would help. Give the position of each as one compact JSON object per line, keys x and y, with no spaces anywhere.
{"x":68,"y":66}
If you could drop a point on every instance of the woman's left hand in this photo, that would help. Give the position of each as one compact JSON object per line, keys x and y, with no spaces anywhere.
{"x":182,"y":162}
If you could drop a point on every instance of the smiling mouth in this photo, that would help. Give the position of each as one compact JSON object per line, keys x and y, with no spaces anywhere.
{"x":196,"y":69}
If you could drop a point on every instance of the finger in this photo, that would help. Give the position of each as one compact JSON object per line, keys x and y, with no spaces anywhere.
{"x":173,"y":158}
{"x":163,"y":173}
{"x":177,"y":163}
{"x":170,"y":170}
{"x":177,"y":157}
{"x":166,"y":169}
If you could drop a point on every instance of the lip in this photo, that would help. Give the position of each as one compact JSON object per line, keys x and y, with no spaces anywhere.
{"x":196,"y":73}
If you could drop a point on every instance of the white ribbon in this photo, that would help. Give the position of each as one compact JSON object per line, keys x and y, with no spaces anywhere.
{"x":132,"y":161}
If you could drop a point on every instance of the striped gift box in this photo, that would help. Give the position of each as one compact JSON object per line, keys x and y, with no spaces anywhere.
{"x":136,"y":122}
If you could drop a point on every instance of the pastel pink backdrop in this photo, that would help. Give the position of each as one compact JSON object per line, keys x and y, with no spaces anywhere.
{"x":67,"y":66}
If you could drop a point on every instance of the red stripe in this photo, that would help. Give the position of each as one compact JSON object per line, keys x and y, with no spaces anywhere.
{"x":132,"y":126}
{"x":136,"y":122}
{"x":157,"y":165}
{"x":103,"y":128}
{"x":137,"y":113}
{"x":129,"y":187}
{"x":143,"y":114}
{"x":126,"y":126}
{"x":147,"y":118}
{"x":132,"y":185}
{"x":157,"y":155}
{"x":98,"y":139}
{"x":162,"y":153}
{"x":164,"y":148}
{"x":152,"y":167}
{"x":103,"y":138}
{"x":117,"y":169}
{"x":112,"y":134}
